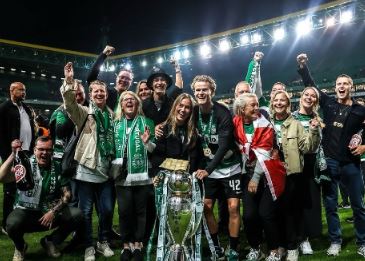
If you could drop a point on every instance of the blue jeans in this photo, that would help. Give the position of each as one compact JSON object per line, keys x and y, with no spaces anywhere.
{"x":101,"y":195}
{"x":350,"y":176}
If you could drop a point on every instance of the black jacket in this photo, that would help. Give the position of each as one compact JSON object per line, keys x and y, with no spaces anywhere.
{"x":170,"y":146}
{"x":10,"y":126}
{"x":330,"y":106}
{"x":159,"y":116}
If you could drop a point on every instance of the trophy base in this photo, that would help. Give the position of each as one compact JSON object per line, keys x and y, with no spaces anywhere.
{"x":177,"y":253}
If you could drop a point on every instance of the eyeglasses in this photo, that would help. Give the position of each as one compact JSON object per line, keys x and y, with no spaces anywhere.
{"x":129,"y":99}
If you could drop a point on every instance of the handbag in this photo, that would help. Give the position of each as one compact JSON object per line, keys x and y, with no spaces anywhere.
{"x":68,"y":163}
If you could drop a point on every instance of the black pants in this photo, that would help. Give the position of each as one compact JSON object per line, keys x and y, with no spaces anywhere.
{"x":260,"y":215}
{"x":8,"y":200}
{"x":132,"y":206}
{"x":291,"y":211}
{"x":21,"y":221}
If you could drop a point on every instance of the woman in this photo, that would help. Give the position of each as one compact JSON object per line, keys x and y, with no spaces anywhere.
{"x":255,"y":137}
{"x":142,"y":90}
{"x":293,"y":142}
{"x":313,"y":163}
{"x":179,"y":141}
{"x":133,"y":183}
{"x":94,"y":152}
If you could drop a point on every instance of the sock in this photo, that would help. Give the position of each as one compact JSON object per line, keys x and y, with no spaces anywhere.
{"x":215,"y":239}
{"x":233,"y":243}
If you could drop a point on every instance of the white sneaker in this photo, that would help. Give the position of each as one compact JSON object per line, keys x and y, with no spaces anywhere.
{"x":273,"y":256}
{"x":334,"y":249}
{"x":361,"y":250}
{"x":255,"y":255}
{"x":19,"y":255}
{"x":89,"y":254}
{"x":306,"y":248}
{"x":292,"y":255}
{"x":104,"y":249}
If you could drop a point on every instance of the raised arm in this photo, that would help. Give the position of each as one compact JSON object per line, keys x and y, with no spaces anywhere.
{"x":6,"y":175}
{"x":95,"y":70}
{"x":253,"y":76}
{"x":77,"y":112}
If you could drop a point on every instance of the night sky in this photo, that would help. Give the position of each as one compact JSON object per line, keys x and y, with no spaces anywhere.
{"x":132,"y":25}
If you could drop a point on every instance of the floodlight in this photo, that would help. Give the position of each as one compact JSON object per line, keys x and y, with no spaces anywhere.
{"x":279,"y":34}
{"x":144,"y":63}
{"x":160,"y":60}
{"x":256,"y":38}
{"x":205,"y":50}
{"x":128,"y":66}
{"x":177,"y":55}
{"x":224,"y":45}
{"x":303,"y":27}
{"x":244,"y":39}
{"x":330,"y":21}
{"x":186,"y":54}
{"x":346,"y":16}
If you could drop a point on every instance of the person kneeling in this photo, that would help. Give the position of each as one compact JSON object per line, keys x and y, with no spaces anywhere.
{"x":43,"y":207}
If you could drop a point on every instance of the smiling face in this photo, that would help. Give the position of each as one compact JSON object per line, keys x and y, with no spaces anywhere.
{"x":308,"y":99}
{"x":183,"y":111}
{"x":202,"y":93}
{"x":159,"y":85}
{"x":343,"y":88}
{"x":251,"y":109}
{"x":143,"y":91}
{"x":43,"y":152}
{"x":129,"y":106}
{"x":98,"y":94}
{"x":280,"y":104}
{"x":123,"y":81}
{"x":241,"y":88}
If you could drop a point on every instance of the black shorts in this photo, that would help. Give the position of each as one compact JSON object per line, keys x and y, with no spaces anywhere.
{"x":231,"y":187}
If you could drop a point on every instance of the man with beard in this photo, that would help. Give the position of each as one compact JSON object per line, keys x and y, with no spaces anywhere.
{"x":17,"y":122}
{"x":43,"y":207}
{"x":123,"y":81}
{"x":343,"y":118}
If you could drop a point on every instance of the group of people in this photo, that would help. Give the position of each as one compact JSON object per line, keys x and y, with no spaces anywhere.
{"x":275,"y":160}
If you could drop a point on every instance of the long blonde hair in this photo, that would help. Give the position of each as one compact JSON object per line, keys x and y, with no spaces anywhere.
{"x":172,"y":122}
{"x":119,"y":112}
{"x":315,"y":106}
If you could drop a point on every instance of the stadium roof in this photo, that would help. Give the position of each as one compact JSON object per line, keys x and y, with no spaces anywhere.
{"x":133,"y":25}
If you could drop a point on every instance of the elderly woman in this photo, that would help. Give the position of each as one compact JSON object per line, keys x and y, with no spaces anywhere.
{"x":142,"y":90}
{"x":133,"y":183}
{"x":263,"y":179}
{"x":313,"y":164}
{"x":94,"y":152}
{"x":293,"y":142}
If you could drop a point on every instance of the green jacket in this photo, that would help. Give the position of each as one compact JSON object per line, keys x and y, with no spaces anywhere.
{"x":296,"y":142}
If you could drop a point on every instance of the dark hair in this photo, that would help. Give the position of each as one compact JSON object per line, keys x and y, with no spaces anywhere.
{"x":43,"y":139}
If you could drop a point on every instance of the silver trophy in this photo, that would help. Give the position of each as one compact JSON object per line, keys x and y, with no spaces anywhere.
{"x":182,"y":214}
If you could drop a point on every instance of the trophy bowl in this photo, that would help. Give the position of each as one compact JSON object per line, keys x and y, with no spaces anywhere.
{"x":179,"y":213}
{"x":180,"y":183}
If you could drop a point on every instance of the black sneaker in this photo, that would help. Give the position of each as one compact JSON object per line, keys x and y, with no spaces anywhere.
{"x":126,"y":254}
{"x":350,"y":220}
{"x":137,"y":255}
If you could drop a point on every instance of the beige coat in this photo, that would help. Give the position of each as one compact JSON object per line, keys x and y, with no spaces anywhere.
{"x":86,"y":152}
{"x":296,"y":142}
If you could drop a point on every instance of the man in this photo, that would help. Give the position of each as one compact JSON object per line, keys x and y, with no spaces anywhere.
{"x":94,"y":152}
{"x":45,"y":206}
{"x":343,"y":117}
{"x":17,"y":122}
{"x":222,"y":170}
{"x":158,"y":106}
{"x":123,"y":81}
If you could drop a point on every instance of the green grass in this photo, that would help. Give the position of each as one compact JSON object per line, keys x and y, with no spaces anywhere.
{"x":35,"y":251}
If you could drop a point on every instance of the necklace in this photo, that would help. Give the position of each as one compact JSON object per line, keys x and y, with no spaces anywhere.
{"x":343,"y":110}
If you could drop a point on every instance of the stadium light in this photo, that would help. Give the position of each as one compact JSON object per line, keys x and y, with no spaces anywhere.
{"x":256,"y":38}
{"x":205,"y":50}
{"x":128,"y":66}
{"x":186,"y":54}
{"x":279,"y":34}
{"x":346,"y":16}
{"x":330,"y":21}
{"x":303,"y":27}
{"x":12,"y":69}
{"x":244,"y":39}
{"x":224,"y":45}
{"x":176,"y":55}
{"x":160,"y":60}
{"x":144,"y":63}
{"x":112,"y":68}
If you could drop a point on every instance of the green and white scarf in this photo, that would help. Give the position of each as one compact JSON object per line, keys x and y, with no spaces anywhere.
{"x":104,"y":131}
{"x":136,"y":152}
